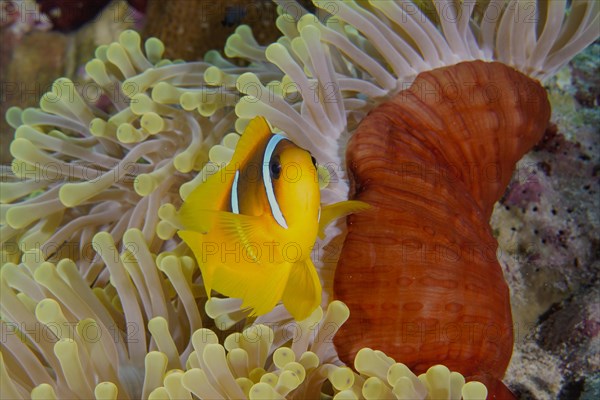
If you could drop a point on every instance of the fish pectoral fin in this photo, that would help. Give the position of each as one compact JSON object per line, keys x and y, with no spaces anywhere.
{"x":235,"y":259}
{"x":259,"y":286}
{"x":229,"y":228}
{"x":334,"y":211}
{"x":303,"y":290}
{"x":228,"y":238}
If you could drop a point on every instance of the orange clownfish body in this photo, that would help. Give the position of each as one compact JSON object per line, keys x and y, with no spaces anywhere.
{"x":253,"y":224}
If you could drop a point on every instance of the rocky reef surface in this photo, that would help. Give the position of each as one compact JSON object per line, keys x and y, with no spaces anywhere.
{"x":549,"y":244}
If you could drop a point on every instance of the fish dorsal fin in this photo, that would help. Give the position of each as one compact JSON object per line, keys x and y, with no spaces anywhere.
{"x":213,"y":193}
{"x":254,"y":137}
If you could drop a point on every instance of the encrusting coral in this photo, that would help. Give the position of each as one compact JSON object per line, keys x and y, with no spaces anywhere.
{"x":87,"y":219}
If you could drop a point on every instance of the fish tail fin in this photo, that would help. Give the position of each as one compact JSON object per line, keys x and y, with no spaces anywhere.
{"x":334,"y":211}
{"x":194,"y":241}
{"x":303,"y":291}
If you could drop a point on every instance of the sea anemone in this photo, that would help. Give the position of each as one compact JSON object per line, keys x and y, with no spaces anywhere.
{"x":96,"y":344}
{"x":108,"y":303}
{"x":121,"y":163}
{"x":248,"y":365}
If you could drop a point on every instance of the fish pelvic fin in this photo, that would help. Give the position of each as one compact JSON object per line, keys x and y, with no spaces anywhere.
{"x":303,"y":290}
{"x":334,"y":211}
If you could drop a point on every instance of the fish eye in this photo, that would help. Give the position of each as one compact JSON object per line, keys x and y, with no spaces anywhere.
{"x":275,"y":168}
{"x":314,"y":161}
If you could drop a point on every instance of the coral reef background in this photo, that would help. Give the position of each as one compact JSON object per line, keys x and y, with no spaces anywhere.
{"x":547,"y":229}
{"x":546,"y":224}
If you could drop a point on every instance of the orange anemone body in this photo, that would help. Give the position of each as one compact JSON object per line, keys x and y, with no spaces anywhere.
{"x":419,"y":270}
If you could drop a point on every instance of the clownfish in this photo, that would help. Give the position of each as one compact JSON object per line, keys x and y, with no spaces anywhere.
{"x":252,"y":225}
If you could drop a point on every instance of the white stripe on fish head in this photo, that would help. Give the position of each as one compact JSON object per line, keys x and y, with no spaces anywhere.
{"x":275,"y":210}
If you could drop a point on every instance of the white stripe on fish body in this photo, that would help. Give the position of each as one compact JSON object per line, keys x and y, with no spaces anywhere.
{"x":275,"y":210}
{"x":235,"y":204}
